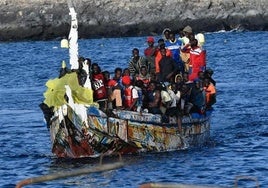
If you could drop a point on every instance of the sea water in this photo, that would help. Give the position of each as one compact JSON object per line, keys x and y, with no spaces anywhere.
{"x":239,"y":127}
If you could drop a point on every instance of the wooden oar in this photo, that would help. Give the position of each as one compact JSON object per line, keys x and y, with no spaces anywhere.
{"x":65,"y":174}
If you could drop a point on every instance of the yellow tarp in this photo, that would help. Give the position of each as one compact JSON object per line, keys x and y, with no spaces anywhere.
{"x":54,"y":95}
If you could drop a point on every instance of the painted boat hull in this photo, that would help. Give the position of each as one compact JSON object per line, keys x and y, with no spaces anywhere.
{"x":124,"y":132}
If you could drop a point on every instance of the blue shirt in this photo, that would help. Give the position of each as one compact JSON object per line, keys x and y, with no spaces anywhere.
{"x":174,"y":47}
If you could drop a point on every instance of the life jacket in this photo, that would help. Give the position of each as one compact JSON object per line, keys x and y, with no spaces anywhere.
{"x":210,"y":91}
{"x":145,"y":79}
{"x":197,"y":62}
{"x":150,"y":51}
{"x":128,"y":100}
{"x":158,"y":57}
{"x":99,"y":90}
{"x":110,"y":83}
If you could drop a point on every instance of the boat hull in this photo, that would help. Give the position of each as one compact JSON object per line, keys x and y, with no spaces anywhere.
{"x":125,"y":132}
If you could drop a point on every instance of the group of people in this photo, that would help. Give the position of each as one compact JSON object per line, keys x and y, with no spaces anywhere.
{"x":169,"y":79}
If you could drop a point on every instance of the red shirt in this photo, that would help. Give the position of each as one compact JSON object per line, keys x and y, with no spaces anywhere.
{"x":150,"y":51}
{"x":99,"y":90}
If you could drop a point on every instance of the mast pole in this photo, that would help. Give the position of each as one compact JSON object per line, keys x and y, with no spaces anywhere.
{"x":73,"y":37}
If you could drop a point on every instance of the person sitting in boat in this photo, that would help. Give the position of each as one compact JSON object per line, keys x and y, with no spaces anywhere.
{"x":168,"y":67}
{"x":174,"y":45}
{"x":210,"y":93}
{"x":130,"y":94}
{"x":144,"y":76}
{"x":175,"y":109}
{"x":118,"y":72}
{"x":113,"y":90}
{"x":115,"y":96}
{"x":139,"y":86}
{"x":126,"y":72}
{"x":158,"y":56}
{"x":153,"y":76}
{"x":178,"y":79}
{"x":118,"y":75}
{"x":99,"y":90}
{"x":208,"y":74}
{"x":136,"y":62}
{"x":185,"y":89}
{"x":107,"y":77}
{"x":150,"y":53}
{"x":165,"y":99}
{"x":154,"y":98}
{"x":198,"y":97}
{"x":185,"y":78}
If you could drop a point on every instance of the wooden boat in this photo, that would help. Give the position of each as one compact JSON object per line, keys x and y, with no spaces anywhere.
{"x":79,"y":129}
{"x":125,"y":133}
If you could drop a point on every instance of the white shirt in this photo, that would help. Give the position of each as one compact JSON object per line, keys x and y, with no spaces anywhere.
{"x":134,"y":92}
{"x":175,"y":97}
{"x":165,"y":97}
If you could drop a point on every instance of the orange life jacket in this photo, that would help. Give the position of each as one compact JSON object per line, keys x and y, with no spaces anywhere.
{"x":210,"y":90}
{"x":158,"y":57}
{"x":128,"y":100}
{"x":145,"y":80}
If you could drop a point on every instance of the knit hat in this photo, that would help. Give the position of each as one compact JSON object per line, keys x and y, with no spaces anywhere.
{"x":126,"y":80}
{"x":150,"y":39}
{"x":187,"y":29}
{"x":112,"y":83}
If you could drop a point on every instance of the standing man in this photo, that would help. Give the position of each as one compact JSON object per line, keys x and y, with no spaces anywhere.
{"x":99,"y":89}
{"x":150,"y":53}
{"x":174,"y":45}
{"x":158,"y":56}
{"x":136,"y":62}
{"x":197,"y":60}
{"x":168,"y":67}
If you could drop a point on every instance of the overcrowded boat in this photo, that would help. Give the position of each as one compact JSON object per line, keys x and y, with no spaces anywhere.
{"x":79,"y":127}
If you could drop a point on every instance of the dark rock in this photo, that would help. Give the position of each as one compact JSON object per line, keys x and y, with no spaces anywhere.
{"x":48,"y":19}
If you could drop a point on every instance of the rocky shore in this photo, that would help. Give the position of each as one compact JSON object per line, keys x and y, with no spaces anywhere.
{"x":48,"y":19}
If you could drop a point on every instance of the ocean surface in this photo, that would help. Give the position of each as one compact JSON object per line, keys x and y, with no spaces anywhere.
{"x":239,"y":127}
